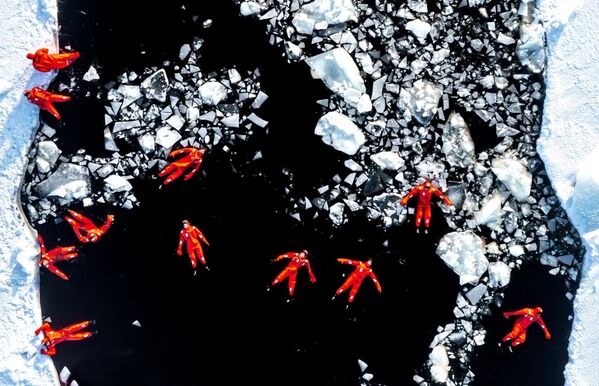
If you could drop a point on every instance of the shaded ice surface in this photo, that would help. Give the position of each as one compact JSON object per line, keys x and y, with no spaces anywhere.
{"x":26,"y":26}
{"x":569,"y":146}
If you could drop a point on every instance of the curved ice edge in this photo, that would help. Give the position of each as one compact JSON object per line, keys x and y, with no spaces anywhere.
{"x":568,"y":134}
{"x":25,"y":25}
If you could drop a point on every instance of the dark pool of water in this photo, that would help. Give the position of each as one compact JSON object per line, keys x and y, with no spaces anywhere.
{"x":223,"y":327}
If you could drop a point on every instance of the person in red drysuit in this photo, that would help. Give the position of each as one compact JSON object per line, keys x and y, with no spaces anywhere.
{"x":192,"y":237}
{"x":298,"y":260}
{"x":85,"y":229}
{"x":44,"y":100}
{"x":355,"y":279}
{"x":44,"y":62}
{"x":527,"y":317}
{"x":192,"y":158}
{"x":54,"y":337}
{"x":48,"y":259}
{"x":425,"y":192}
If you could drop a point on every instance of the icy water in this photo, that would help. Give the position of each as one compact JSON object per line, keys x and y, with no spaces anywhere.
{"x":223,"y":326}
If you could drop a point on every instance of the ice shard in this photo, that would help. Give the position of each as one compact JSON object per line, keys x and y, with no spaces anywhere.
{"x":491,"y":212}
{"x":340,"y":132}
{"x":156,"y":86}
{"x":423,"y":100}
{"x":212,"y":93}
{"x":69,"y":182}
{"x":340,"y":74}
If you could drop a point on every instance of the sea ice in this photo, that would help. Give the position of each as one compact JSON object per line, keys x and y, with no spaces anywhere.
{"x":69,"y":182}
{"x":156,"y":86}
{"x":514,"y":175}
{"x":423,"y":100}
{"x":212,"y":92}
{"x":499,"y":274}
{"x":418,"y":28}
{"x":340,"y":74}
{"x":458,"y":145}
{"x":320,"y":14}
{"x":464,"y":252}
{"x":340,"y":132}
{"x":47,"y":155}
{"x":166,"y":137}
{"x":439,"y":364}
{"x":115,"y":184}
{"x":91,"y":75}
{"x":491,"y":212}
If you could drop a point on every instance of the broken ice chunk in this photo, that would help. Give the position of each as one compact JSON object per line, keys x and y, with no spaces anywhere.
{"x":423,"y":99}
{"x":491,"y":212}
{"x":476,"y":293}
{"x":166,"y":137}
{"x":464,"y":252}
{"x":418,"y":28}
{"x":91,"y":75}
{"x":499,"y":274}
{"x":339,"y":73}
{"x":136,"y":323}
{"x":64,"y":375}
{"x":69,"y":182}
{"x":146,"y":142}
{"x":336,"y":213}
{"x":115,"y":184}
{"x":130,"y":94}
{"x":531,"y":46}
{"x":184,"y":51}
{"x":212,"y":92}
{"x":458,"y":145}
{"x":439,"y":364}
{"x":320,"y":14}
{"x":47,"y":155}
{"x":155,"y":86}
{"x":109,"y":143}
{"x":363,"y":365}
{"x":340,"y":132}
{"x":176,"y":122}
{"x":514,"y":175}
{"x":249,"y":8}
{"x":388,"y":160}
{"x":505,"y":39}
{"x":260,"y":99}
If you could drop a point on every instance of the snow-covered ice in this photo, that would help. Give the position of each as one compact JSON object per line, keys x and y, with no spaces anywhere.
{"x":568,"y":144}
{"x":340,"y":132}
{"x":26,"y":25}
{"x":464,"y":252}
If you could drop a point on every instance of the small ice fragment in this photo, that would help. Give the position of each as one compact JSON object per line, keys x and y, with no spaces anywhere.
{"x":166,"y":137}
{"x":388,"y":160}
{"x":505,"y":39}
{"x":212,"y":92}
{"x":260,"y":99}
{"x":491,"y":212}
{"x":184,"y":51}
{"x":458,"y":145}
{"x":340,"y":132}
{"x":439,"y":364}
{"x":109,"y":143}
{"x":176,"y":122}
{"x":423,"y":100}
{"x":250,"y":8}
{"x":476,"y":293}
{"x":336,"y":213}
{"x":48,"y":152}
{"x":115,"y":184}
{"x":136,"y":323}
{"x":363,"y":365}
{"x":64,"y":375}
{"x":418,"y":28}
{"x":91,"y":75}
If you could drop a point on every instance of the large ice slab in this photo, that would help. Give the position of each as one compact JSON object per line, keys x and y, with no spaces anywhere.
{"x":340,"y":132}
{"x":464,"y":252}
{"x":69,"y":182}
{"x":340,"y":74}
{"x":320,"y":14}
{"x":514,"y":175}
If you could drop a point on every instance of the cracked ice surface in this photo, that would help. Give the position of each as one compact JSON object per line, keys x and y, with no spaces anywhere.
{"x":25,"y":24}
{"x":464,"y":252}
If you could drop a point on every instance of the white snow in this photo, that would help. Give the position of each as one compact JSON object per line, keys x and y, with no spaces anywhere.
{"x":340,"y":132}
{"x":568,"y":144}
{"x":464,"y":252}
{"x":26,"y":26}
{"x":340,"y":74}
{"x":514,"y":175}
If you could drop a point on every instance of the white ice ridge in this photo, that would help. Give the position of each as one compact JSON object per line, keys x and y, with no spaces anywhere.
{"x":26,"y":25}
{"x":569,"y":146}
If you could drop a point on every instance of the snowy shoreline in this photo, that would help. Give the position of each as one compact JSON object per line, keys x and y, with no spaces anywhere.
{"x":26,"y":26}
{"x":569,"y":145}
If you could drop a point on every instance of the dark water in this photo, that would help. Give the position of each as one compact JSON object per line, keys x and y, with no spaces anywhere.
{"x":223,"y":327}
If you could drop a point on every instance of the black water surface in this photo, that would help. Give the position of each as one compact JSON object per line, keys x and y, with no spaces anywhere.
{"x":223,"y":326}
